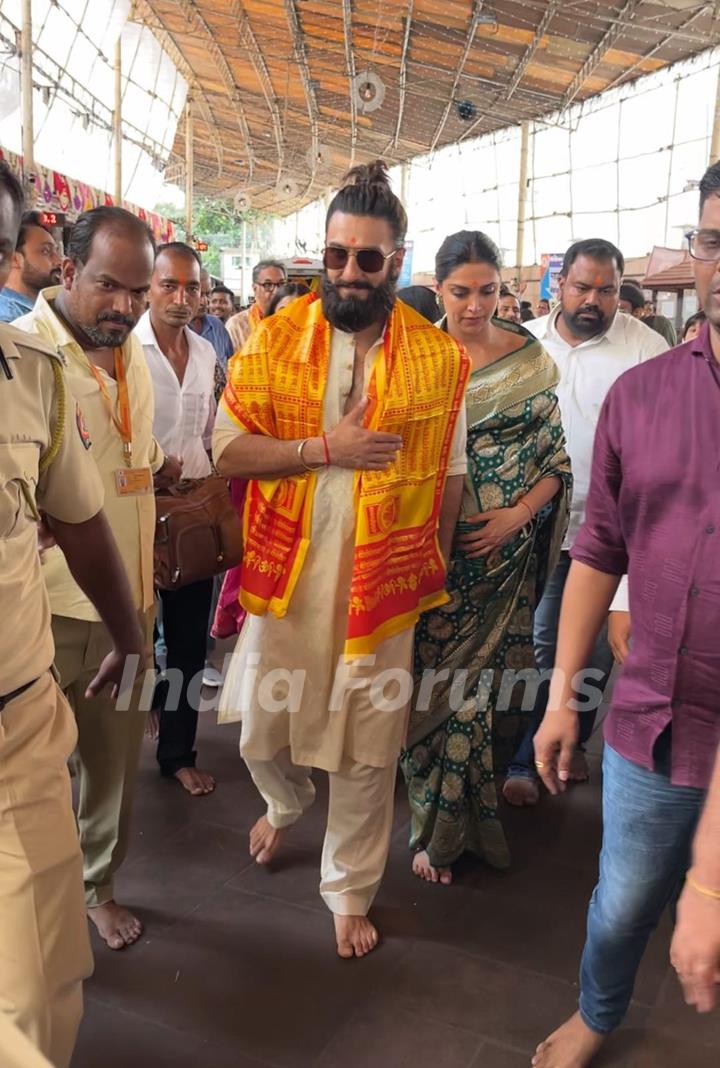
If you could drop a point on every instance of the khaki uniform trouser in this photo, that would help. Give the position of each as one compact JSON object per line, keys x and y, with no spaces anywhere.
{"x":359,"y":826}
{"x":108,"y":751}
{"x":44,"y":944}
{"x":16,"y":1051}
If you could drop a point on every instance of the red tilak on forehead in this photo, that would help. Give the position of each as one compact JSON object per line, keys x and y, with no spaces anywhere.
{"x":353,"y":241}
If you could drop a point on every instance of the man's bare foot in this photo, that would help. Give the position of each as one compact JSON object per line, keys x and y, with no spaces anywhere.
{"x":422,"y":867}
{"x":196,"y":782}
{"x":579,"y":768}
{"x":355,"y":936}
{"x":572,"y":1046}
{"x":115,"y":924}
{"x":264,"y":841}
{"x":521,"y":791}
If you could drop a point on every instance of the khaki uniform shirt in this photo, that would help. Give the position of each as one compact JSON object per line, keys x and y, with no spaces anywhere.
{"x":69,"y":489}
{"x":132,"y":518}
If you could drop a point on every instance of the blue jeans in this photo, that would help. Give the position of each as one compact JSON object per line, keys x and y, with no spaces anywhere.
{"x":648,"y":827}
{"x":547,"y":619}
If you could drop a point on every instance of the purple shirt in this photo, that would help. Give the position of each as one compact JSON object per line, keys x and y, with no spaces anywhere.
{"x":653,"y":511}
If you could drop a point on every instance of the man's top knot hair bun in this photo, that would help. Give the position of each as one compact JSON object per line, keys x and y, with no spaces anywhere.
{"x":375,"y":173}
{"x":366,"y":190}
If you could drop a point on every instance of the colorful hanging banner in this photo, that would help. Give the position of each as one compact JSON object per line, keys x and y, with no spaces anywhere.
{"x":57,"y":192}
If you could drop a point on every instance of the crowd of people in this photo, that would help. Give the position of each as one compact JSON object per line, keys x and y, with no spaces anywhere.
{"x":459,"y":517}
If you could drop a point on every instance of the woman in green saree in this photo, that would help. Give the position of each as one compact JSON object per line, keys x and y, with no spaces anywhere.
{"x":467,"y":718}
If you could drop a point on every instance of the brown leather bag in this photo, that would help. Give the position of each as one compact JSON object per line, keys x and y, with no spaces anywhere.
{"x":197,"y":532}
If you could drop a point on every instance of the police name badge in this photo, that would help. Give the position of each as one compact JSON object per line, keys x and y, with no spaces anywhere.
{"x":133,"y":481}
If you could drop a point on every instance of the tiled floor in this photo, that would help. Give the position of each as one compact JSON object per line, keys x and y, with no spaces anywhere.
{"x":237,"y":966}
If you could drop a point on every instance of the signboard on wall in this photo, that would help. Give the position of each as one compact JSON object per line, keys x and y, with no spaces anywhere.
{"x":405,"y":278}
{"x":551,"y":265}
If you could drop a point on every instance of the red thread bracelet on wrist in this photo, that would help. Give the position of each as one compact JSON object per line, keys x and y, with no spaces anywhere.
{"x":326,"y":447}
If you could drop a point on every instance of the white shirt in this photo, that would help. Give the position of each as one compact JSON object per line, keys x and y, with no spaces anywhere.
{"x":184,"y":414}
{"x":587,"y":372}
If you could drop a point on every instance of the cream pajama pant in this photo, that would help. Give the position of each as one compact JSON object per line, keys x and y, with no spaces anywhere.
{"x":360,"y":813}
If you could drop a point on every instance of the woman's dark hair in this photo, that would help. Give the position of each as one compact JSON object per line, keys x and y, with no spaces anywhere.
{"x":288,"y":289}
{"x":422,"y":299}
{"x":698,"y":317}
{"x":366,"y":190}
{"x":466,"y":246}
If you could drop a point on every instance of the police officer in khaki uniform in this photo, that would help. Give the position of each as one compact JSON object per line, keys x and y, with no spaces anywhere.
{"x":91,"y":326}
{"x":16,"y":1051}
{"x":45,"y":466}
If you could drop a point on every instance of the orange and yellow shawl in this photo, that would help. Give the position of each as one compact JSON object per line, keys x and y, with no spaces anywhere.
{"x":416,"y":390}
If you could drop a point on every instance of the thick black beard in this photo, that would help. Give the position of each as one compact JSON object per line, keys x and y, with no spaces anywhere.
{"x":581,"y":329}
{"x":354,"y":313}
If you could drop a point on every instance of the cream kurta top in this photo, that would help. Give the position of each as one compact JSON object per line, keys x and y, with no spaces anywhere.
{"x":288,"y":680}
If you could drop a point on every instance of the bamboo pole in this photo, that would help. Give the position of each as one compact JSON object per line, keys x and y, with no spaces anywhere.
{"x":189,"y":166}
{"x":522,"y":199}
{"x":26,"y":91}
{"x":715,"y":141}
{"x":117,"y":123}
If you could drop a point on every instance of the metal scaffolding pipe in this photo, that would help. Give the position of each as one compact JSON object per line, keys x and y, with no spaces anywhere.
{"x":26,"y":90}
{"x":189,"y":165}
{"x":117,"y":122}
{"x":522,"y":198}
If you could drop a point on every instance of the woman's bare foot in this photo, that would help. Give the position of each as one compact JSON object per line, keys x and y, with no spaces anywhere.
{"x":572,"y":1046}
{"x":264,"y":841}
{"x":520,"y":791}
{"x":579,"y":768}
{"x":196,"y":782}
{"x":355,"y":936}
{"x":422,"y":867}
{"x":116,"y":925}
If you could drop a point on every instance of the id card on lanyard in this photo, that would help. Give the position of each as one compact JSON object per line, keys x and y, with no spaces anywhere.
{"x":129,"y":481}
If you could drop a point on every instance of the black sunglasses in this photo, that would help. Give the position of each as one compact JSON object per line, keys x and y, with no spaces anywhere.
{"x":369,"y":260}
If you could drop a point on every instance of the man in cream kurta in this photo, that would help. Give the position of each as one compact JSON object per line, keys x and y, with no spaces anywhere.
{"x":302,"y":705}
{"x":353,"y":731}
{"x":335,"y":718}
{"x":109,"y":735}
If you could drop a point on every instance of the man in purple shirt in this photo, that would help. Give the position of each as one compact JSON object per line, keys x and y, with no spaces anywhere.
{"x":653,"y":511}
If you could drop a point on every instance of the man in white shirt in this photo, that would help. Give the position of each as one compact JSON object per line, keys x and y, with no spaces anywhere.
{"x":592,"y":343}
{"x":182,"y":366}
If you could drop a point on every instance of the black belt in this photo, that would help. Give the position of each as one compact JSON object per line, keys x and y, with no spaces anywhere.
{"x":6,"y":698}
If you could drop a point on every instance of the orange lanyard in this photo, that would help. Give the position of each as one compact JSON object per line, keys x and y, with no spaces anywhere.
{"x":122,"y":420}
